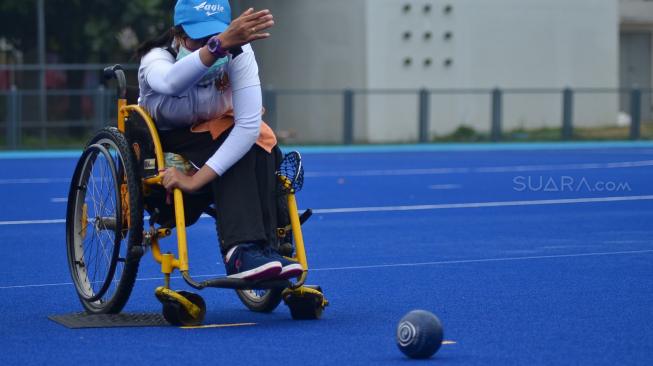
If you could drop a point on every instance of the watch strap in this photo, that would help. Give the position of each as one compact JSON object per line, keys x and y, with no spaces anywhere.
{"x":214,"y":46}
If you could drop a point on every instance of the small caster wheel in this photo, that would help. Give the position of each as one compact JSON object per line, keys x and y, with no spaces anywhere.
{"x":305,"y":303}
{"x":177,"y":314}
{"x":286,"y":249}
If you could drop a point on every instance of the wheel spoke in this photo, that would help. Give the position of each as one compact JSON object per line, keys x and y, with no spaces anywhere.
{"x":104,"y":248}
{"x":94,"y":195}
{"x":108,"y":196}
{"x":99,"y":201}
{"x":97,"y":243}
{"x":91,"y":256}
{"x":95,"y":236}
{"x":103,"y":183}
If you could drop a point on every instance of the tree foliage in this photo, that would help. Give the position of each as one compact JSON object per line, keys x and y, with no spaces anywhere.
{"x":80,"y":31}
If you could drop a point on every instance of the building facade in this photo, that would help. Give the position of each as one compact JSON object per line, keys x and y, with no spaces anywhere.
{"x":464,"y":48}
{"x":636,"y":50}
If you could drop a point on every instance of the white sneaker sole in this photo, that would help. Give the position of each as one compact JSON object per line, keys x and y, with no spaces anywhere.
{"x":291,"y":270}
{"x":268,"y":270}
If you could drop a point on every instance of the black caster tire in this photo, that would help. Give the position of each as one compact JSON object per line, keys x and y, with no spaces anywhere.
{"x":175,"y":314}
{"x":307,"y":306}
{"x":305,"y":311}
{"x":286,"y":249}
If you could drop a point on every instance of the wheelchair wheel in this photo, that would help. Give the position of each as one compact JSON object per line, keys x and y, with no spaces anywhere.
{"x":104,"y":223}
{"x":175,"y":314}
{"x":260,"y":301}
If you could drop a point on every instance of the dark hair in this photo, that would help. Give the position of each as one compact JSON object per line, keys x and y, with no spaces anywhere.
{"x":164,"y":40}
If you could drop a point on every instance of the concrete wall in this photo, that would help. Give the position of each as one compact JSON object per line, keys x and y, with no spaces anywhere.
{"x":505,"y":43}
{"x":315,"y":45}
{"x":637,"y":18}
{"x":321,"y":44}
{"x":636,"y":12}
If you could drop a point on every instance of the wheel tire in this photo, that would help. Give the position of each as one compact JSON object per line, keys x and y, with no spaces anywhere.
{"x":305,"y":311}
{"x":175,"y":314}
{"x":260,"y":301}
{"x":122,"y":228}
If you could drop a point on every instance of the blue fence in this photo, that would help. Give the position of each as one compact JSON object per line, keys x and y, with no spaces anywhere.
{"x":99,"y":106}
{"x":423,"y":96}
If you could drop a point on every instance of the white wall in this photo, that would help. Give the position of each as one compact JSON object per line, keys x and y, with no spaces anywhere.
{"x":315,"y":44}
{"x":320,"y":44}
{"x":637,"y":16}
{"x":506,"y":43}
{"x":636,"y":11}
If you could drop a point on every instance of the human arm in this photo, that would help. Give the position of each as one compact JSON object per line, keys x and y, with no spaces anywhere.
{"x":168,"y":77}
{"x":173,"y":178}
{"x":247,"y":105}
{"x":247,"y":28}
{"x":240,"y":140}
{"x":247,"y":110}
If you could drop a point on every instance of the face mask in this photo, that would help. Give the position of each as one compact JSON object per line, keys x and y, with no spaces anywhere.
{"x":212,"y":73}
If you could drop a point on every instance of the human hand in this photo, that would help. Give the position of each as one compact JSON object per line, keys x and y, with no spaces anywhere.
{"x":173,"y":178}
{"x":247,"y":28}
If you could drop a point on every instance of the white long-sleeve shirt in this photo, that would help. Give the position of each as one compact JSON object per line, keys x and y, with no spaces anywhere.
{"x":169,"y":91}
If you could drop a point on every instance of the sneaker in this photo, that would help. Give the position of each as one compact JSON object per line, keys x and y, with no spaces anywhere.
{"x":289,"y":267}
{"x":249,"y":262}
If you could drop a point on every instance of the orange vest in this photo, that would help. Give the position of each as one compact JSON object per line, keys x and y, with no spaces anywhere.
{"x":266,"y":138}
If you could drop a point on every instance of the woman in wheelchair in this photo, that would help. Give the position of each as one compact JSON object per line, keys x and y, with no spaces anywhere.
{"x":200,"y":83}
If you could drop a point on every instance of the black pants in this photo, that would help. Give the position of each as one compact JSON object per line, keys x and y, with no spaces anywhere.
{"x":246,"y":196}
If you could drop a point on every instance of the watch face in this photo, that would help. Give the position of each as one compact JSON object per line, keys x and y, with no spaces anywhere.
{"x":215,"y":47}
{"x":213,"y":44}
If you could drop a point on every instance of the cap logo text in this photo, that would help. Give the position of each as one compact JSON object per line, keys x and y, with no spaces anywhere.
{"x":210,"y":9}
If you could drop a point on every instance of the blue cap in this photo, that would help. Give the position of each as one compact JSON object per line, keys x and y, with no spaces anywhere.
{"x":202,"y":18}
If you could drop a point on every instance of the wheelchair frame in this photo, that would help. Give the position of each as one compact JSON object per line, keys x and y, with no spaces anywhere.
{"x":183,"y":308}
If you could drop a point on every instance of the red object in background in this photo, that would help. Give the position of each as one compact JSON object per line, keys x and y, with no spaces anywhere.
{"x":55,"y":79}
{"x":4,"y":80}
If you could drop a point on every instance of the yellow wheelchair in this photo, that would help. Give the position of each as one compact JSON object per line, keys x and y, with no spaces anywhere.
{"x":116,"y":179}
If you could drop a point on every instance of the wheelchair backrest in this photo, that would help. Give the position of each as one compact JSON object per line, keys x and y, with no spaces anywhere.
{"x":132,"y":94}
{"x":140,"y":139}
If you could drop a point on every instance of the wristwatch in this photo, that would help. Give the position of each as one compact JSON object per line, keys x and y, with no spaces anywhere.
{"x":214,"y":45}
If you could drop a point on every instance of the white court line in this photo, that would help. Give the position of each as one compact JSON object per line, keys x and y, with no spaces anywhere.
{"x":138,"y":279}
{"x":495,"y":169}
{"x":464,"y":261}
{"x":564,"y":201}
{"x":483,"y":204}
{"x":34,"y":180}
{"x":32,"y":222}
{"x":419,"y":264}
{"x":444,"y":186}
{"x":59,"y":200}
{"x":425,"y":171}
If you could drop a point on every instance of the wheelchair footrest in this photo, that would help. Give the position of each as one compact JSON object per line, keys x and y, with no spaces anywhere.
{"x":240,"y":284}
